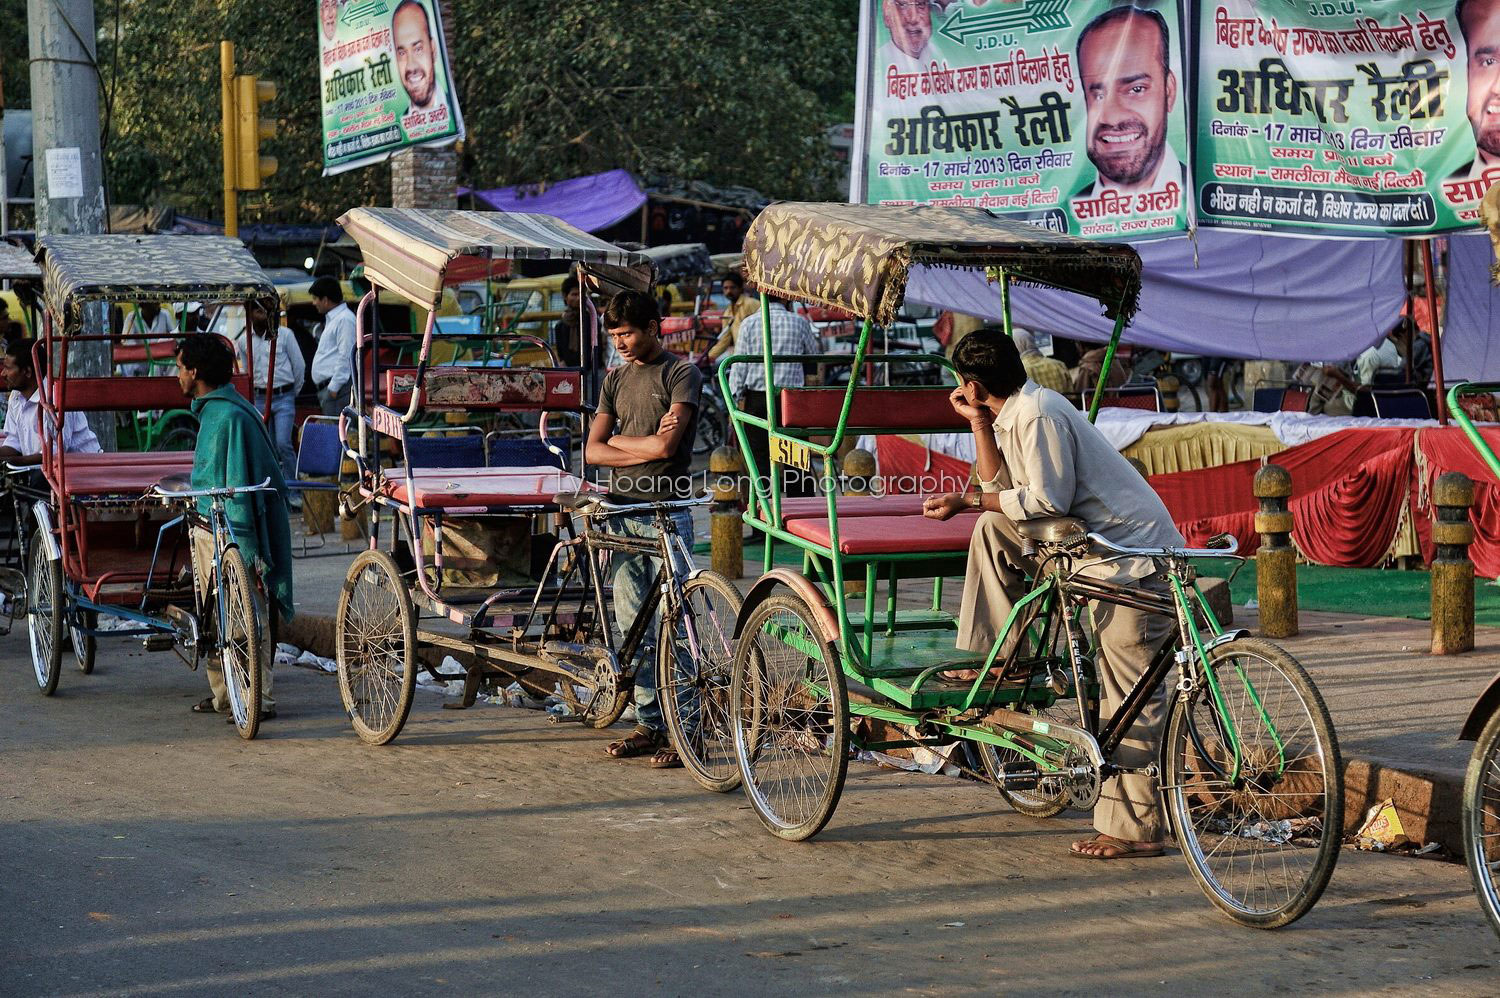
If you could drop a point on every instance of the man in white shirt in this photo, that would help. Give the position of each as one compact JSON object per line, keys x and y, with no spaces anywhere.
{"x":285,"y":378}
{"x":333,"y":364}
{"x":21,"y":437}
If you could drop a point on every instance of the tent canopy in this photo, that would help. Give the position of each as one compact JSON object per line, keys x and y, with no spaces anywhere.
{"x":678,"y":261}
{"x":589,"y":203}
{"x":16,"y":264}
{"x":409,"y":250}
{"x":110,"y":268}
{"x":856,"y":257}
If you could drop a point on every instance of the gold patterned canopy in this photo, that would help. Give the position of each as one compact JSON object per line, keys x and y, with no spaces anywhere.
{"x":856,"y":257}
{"x":120,"y":268}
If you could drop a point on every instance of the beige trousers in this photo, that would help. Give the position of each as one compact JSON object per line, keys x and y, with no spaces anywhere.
{"x":203,"y":570}
{"x":1130,"y":807}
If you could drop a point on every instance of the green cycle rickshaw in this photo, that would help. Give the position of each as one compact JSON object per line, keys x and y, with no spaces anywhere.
{"x":1249,"y":767}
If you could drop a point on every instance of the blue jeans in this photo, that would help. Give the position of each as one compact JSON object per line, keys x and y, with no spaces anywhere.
{"x":283,"y":421}
{"x":634,"y":575}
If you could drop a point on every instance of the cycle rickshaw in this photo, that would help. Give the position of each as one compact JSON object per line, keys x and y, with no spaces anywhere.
{"x":19,"y":485}
{"x":526,"y":602}
{"x":1249,"y":766}
{"x":110,"y":536}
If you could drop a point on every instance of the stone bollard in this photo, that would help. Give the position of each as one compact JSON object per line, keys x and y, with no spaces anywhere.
{"x":727,"y":521}
{"x":1168,"y":386}
{"x":1452,"y":573}
{"x":1276,"y":561}
{"x":858,"y":468}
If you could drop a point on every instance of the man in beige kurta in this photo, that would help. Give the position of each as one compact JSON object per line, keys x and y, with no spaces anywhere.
{"x":1038,"y":456}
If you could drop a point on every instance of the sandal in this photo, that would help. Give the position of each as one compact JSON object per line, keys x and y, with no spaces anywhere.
{"x":641,"y":741}
{"x":1118,"y":849}
{"x":666,"y":758}
{"x":204,"y":706}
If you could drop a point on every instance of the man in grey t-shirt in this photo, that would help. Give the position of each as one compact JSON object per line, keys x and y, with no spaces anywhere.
{"x":643,"y":432}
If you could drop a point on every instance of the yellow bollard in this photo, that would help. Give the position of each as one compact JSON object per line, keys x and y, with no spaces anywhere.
{"x":1276,"y":561}
{"x":858,"y":469}
{"x":1452,"y":573}
{"x":726,"y":520}
{"x":1168,"y":386}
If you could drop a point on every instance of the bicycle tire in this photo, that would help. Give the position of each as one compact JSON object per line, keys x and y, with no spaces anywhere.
{"x":46,"y":605}
{"x":1305,"y":793}
{"x":240,"y":642}
{"x":699,"y":724}
{"x":810,"y":731}
{"x":85,"y":646}
{"x":1482,"y":807}
{"x":376,"y":647}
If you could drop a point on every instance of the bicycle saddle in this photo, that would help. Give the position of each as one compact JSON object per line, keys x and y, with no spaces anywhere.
{"x":575,"y":502}
{"x":1051,"y":529}
{"x":180,"y":482}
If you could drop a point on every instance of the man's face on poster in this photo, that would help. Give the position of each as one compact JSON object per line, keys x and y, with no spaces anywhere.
{"x":413,"y":54}
{"x":328,"y":14}
{"x":1128,"y":92}
{"x":1481,"y":30}
{"x":910,"y":24}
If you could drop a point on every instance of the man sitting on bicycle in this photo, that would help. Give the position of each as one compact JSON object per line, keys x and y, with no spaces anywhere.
{"x":235,"y":450}
{"x":652,"y":400}
{"x":1038,"y":456}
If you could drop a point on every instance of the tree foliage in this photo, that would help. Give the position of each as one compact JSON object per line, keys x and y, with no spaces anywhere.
{"x":726,"y":91}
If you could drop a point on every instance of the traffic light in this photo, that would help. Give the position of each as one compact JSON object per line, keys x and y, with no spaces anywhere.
{"x":250,"y":130}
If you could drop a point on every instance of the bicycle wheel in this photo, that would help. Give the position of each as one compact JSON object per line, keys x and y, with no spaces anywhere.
{"x":376,"y":647}
{"x":1263,"y":843}
{"x":695,"y":697}
{"x":601,"y":705}
{"x":85,"y":647}
{"x":790,"y":714}
{"x":240,"y":642}
{"x":1481,"y":827}
{"x":46,"y":605}
{"x":1049,"y":798}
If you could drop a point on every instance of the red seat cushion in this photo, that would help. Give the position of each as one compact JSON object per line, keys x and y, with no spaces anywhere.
{"x":871,"y":535}
{"x":816,"y":507}
{"x":875,"y":408}
{"x":447,"y":488}
{"x":109,"y":474}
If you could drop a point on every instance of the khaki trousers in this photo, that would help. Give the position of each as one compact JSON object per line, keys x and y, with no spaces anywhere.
{"x":1130,"y":807}
{"x":203,"y":570}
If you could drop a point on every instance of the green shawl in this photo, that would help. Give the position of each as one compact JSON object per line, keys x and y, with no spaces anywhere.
{"x":235,"y":449}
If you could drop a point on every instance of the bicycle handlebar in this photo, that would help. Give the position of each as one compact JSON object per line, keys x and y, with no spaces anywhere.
{"x":1233,"y":545}
{"x":165,"y":490}
{"x":599,"y":506}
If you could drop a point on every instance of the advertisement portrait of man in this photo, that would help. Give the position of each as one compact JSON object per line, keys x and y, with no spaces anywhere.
{"x":328,"y":17}
{"x":1124,"y":63}
{"x":417,"y":66}
{"x":1479,"y":23}
{"x":910,"y":25}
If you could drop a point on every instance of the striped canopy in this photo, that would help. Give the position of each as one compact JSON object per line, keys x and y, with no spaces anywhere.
{"x":16,"y":264}
{"x":119,"y":268}
{"x":856,"y":256}
{"x":679,"y":260}
{"x":409,"y":250}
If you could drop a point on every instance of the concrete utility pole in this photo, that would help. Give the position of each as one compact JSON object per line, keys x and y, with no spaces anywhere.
{"x":65,"y":137}
{"x":427,"y":177}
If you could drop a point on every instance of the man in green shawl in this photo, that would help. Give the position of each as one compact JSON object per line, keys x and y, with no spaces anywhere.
{"x":234,"y":450}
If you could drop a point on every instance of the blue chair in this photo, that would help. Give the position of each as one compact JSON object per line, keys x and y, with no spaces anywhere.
{"x":528,"y":451}
{"x":434,"y":449}
{"x":319,"y":453}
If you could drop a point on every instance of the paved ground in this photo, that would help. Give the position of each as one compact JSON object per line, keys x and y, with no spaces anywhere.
{"x":147,"y":850}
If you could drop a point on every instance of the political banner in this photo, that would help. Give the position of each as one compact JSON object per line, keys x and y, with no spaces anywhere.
{"x":1068,"y":114}
{"x":1346,"y":118}
{"x":386,"y":80}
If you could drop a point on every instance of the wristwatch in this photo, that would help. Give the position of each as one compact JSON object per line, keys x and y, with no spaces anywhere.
{"x":976,"y":501}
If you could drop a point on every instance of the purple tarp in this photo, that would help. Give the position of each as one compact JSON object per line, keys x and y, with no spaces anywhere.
{"x":1248,"y":296}
{"x":1471,"y":351}
{"x":588,"y":203}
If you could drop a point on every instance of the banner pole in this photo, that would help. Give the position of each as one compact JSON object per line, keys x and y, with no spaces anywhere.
{"x":1437,"y":341}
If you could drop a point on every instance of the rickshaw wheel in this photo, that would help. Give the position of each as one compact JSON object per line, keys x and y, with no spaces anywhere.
{"x":377,"y":647}
{"x":1481,"y":821}
{"x":45,"y":606}
{"x":605,"y":706}
{"x":695,"y":703}
{"x":1261,"y":845}
{"x":85,"y":646}
{"x":789,"y":710}
{"x":240,"y":645}
{"x":1050,"y":797}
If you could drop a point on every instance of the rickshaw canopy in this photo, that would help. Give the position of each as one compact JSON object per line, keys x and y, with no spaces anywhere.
{"x":411,"y":251}
{"x":856,"y":257}
{"x":78,"y":269}
{"x":678,"y":261}
{"x":16,"y":264}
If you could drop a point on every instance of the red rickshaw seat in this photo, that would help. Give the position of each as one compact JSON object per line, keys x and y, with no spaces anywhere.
{"x":876,"y":535}
{"x":445,"y":488}
{"x":873,"y":408}
{"x":816,"y":507}
{"x":108,"y":474}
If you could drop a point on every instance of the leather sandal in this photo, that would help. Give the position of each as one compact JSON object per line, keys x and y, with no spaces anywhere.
{"x":641,"y":741}
{"x":204,"y":706}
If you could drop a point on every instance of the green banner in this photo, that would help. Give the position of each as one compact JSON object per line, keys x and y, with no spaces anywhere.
{"x":1069,"y":114}
{"x":1346,"y":118}
{"x":386,"y":80}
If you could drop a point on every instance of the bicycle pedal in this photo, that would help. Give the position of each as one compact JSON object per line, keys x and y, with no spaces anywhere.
{"x":159,"y":642}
